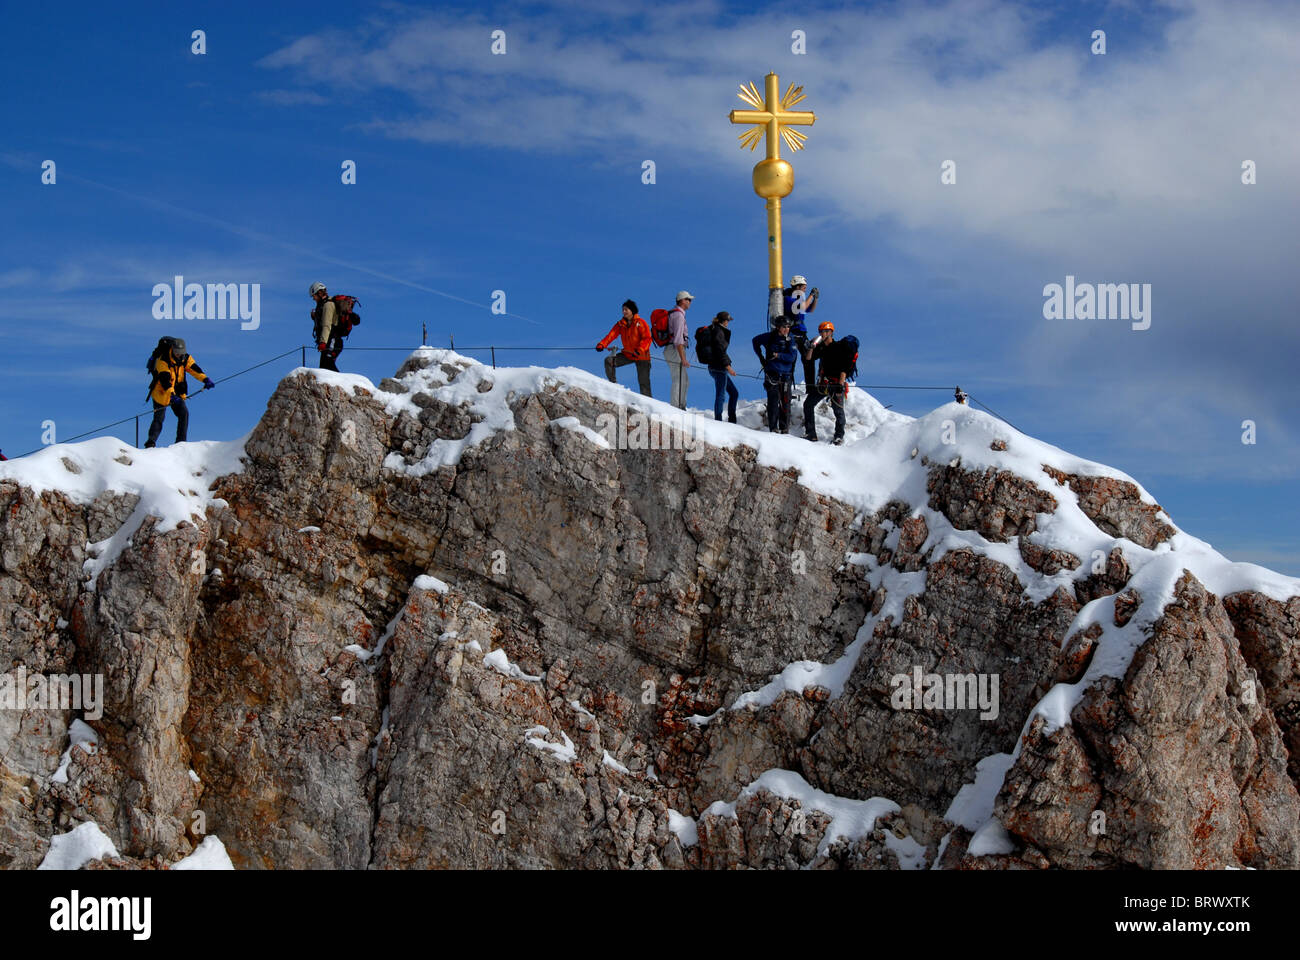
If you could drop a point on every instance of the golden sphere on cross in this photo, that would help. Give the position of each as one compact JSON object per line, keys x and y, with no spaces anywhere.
{"x":773,"y":178}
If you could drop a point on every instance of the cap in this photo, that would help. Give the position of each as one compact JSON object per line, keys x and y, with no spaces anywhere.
{"x":797,"y":279}
{"x":684,"y":295}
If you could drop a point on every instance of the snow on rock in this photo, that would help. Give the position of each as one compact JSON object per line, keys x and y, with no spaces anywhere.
{"x":499,"y":662}
{"x":850,"y":819}
{"x":210,"y":855}
{"x":803,"y":674}
{"x":76,"y":848}
{"x":972,"y":808}
{"x":173,"y":483}
{"x":564,"y":752}
{"x":687,"y":831}
{"x":578,"y":427}
{"x":80,"y":734}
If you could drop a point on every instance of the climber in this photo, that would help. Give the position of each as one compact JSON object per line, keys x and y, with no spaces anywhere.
{"x":778,"y":372}
{"x":797,"y":303}
{"x":798,"y":299}
{"x":675,"y":350}
{"x":838,"y":361}
{"x":325,"y":327}
{"x":713,"y":341}
{"x":170,"y":363}
{"x":636,"y":346}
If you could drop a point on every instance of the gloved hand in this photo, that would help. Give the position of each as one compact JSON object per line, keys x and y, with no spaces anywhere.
{"x":321,"y":347}
{"x":814,"y":293}
{"x":599,"y":349}
{"x":165,"y":381}
{"x":208,"y":384}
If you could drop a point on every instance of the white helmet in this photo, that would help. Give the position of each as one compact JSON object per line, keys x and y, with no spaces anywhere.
{"x":315,"y":288}
{"x":796,"y":280}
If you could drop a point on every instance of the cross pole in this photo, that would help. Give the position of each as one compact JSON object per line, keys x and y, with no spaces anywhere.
{"x":771,"y":119}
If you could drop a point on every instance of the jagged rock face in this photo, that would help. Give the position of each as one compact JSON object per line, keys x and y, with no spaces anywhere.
{"x":1182,"y":761}
{"x":1269,"y":633}
{"x":542,"y":707}
{"x":1116,"y":507}
{"x":970,"y":620}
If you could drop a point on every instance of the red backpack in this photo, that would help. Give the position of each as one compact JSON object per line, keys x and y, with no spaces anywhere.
{"x":345,"y":316}
{"x":659,"y":328}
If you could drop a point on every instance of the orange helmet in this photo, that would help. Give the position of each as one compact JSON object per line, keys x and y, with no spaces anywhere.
{"x":825,"y":325}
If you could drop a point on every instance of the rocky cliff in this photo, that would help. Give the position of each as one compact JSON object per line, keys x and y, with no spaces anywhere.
{"x":523,"y":618}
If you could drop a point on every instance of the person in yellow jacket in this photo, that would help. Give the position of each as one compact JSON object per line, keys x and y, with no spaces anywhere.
{"x":170,"y":366}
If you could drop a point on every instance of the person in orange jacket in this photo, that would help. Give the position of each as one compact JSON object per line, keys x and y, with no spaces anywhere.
{"x":636,"y":346}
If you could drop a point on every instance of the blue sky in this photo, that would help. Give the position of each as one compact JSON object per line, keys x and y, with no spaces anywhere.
{"x":522,"y":173}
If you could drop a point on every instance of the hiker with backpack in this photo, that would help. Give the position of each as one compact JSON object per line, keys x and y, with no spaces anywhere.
{"x":332,"y":319}
{"x":169,"y":363}
{"x":636,"y":346}
{"x":838,"y":362}
{"x":668,"y":330}
{"x":797,"y":304}
{"x":778,"y":372}
{"x":711,"y":345}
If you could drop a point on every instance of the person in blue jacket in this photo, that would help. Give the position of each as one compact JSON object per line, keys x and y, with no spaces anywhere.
{"x":798,"y":302}
{"x":778,"y":372}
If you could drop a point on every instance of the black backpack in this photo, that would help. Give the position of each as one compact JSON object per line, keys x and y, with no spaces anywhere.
{"x":851,"y":345}
{"x":164,"y":349}
{"x":704,"y":344}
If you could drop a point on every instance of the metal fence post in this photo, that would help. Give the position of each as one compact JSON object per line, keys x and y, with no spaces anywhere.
{"x":494,"y":358}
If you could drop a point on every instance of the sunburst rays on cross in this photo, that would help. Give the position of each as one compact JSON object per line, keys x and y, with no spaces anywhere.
{"x":780,"y":111}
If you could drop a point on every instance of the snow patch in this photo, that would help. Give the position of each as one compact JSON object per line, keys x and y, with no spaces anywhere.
{"x":80,"y":734}
{"x":564,"y":752}
{"x":76,"y":848}
{"x":210,"y":855}
{"x":499,"y":662}
{"x":686,"y":829}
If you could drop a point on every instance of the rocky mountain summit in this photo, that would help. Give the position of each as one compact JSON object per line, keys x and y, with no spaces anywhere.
{"x":524,"y":618}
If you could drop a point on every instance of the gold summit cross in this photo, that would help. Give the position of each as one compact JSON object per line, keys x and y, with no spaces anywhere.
{"x":773,"y":177}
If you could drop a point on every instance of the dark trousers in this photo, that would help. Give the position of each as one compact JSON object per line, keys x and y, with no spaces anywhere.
{"x":726,"y":388}
{"x":182,"y":420}
{"x":333,"y":347}
{"x":778,"y":402}
{"x":826,"y":390}
{"x":616,"y":360}
{"x":809,"y":366}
